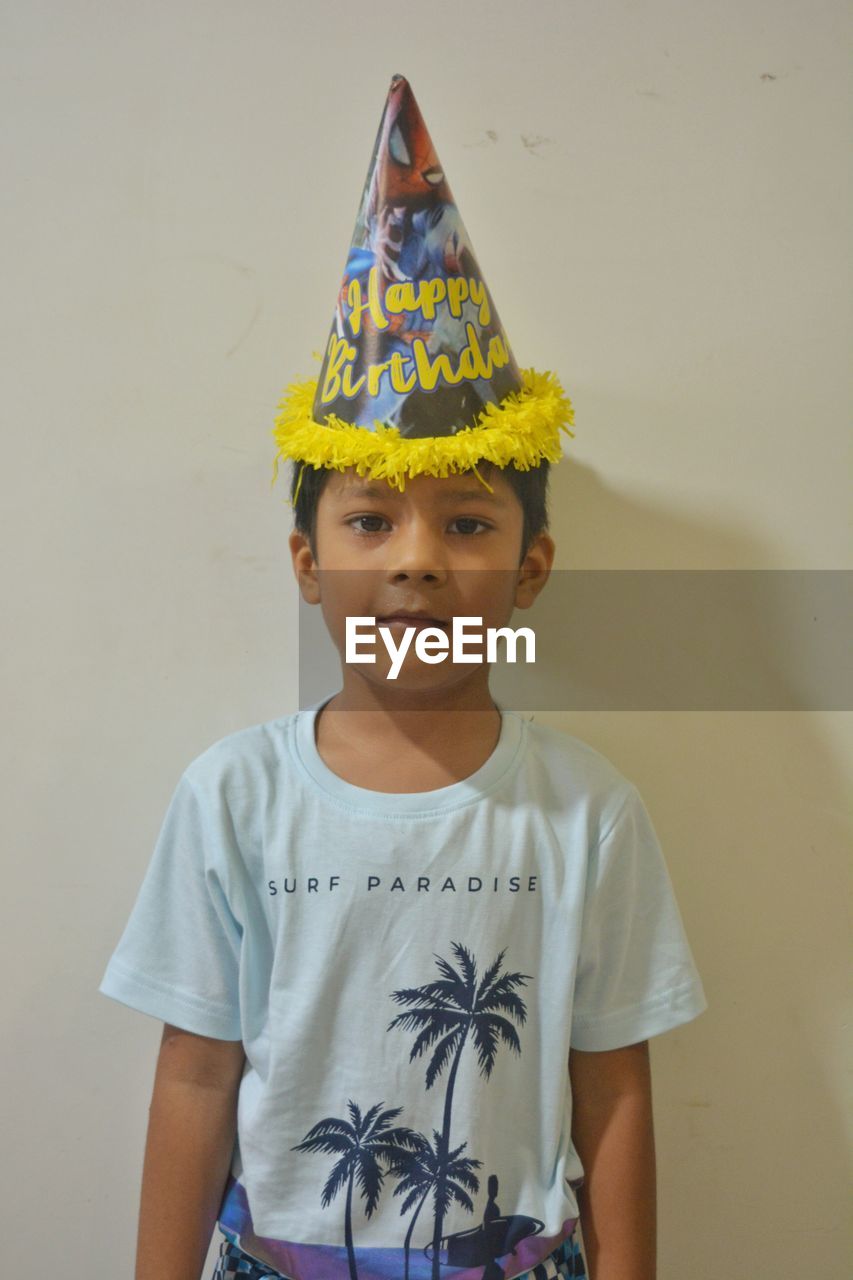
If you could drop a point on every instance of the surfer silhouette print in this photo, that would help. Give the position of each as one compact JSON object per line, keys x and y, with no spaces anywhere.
{"x":483,"y":1245}
{"x":496,"y":1237}
{"x":457,"y":1016}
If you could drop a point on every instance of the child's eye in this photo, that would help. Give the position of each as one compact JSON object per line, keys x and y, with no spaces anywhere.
{"x":469,"y":520}
{"x":469,"y":524}
{"x":358,"y":519}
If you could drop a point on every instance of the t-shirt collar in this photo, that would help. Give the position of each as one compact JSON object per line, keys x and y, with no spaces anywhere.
{"x":505,"y":755}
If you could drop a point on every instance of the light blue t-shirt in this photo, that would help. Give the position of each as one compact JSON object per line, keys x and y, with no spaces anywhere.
{"x":407,"y":973}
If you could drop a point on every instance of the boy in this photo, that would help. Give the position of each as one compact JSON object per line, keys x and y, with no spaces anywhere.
{"x":408,"y":947}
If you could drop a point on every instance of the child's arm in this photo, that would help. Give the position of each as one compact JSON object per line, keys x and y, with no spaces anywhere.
{"x":613,"y":1133}
{"x":192,"y":1124}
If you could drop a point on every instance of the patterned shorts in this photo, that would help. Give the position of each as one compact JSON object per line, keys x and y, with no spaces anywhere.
{"x":566,"y":1263}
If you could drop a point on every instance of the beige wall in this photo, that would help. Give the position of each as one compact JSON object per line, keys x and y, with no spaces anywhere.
{"x":660,"y":218}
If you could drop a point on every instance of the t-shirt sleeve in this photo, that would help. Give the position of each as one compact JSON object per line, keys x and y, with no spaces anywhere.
{"x":636,"y":976}
{"x":178,"y":958}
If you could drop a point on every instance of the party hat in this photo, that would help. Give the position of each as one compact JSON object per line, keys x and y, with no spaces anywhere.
{"x":418,"y":375}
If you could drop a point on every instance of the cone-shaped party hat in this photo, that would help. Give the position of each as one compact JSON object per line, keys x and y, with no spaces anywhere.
{"x":418,"y":375}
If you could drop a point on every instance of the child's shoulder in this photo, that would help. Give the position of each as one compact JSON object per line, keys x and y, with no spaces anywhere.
{"x":245,"y":755}
{"x":555,"y":748}
{"x":572,"y":767}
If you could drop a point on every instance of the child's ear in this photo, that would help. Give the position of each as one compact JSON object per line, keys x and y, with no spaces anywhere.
{"x":534,"y":570}
{"x":304,"y":567}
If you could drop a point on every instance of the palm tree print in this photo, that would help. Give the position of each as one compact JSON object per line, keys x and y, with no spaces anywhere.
{"x":418,"y":1173}
{"x":364,"y":1144}
{"x":447,"y":1013}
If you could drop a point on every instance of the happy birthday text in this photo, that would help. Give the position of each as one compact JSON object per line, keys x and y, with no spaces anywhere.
{"x":406,"y":372}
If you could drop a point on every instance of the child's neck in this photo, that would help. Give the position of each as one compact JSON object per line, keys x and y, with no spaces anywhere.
{"x":383,"y":748}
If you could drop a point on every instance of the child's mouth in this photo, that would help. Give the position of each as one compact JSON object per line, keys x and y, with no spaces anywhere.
{"x":418,"y":623}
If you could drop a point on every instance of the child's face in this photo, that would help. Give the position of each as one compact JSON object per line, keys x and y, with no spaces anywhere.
{"x":445,"y":547}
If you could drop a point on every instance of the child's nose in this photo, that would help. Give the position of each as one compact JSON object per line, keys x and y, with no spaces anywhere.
{"x":417,"y":547}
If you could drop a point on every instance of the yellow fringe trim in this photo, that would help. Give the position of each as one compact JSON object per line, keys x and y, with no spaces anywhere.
{"x":523,"y":429}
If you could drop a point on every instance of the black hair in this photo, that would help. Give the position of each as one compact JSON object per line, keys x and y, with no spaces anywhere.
{"x":530,"y":487}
